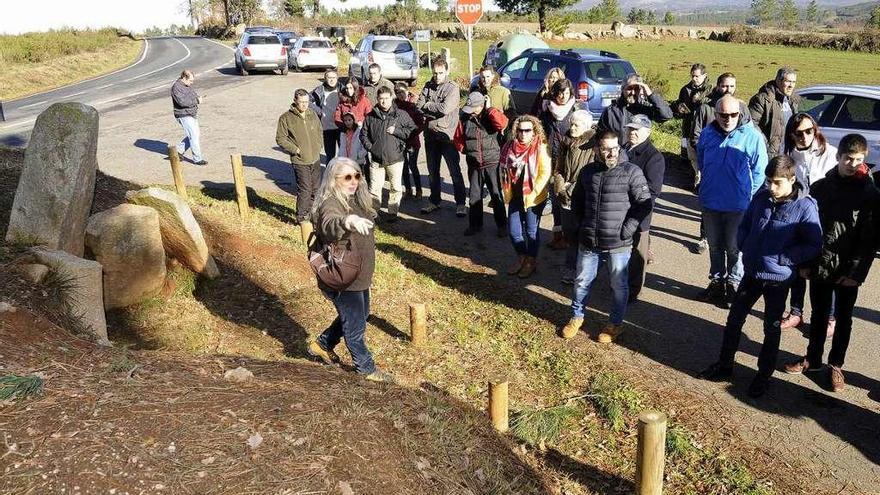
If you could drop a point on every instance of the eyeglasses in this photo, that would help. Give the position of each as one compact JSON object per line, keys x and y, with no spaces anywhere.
{"x":805,"y":132}
{"x":349,"y":177}
{"x":728,"y":115}
{"x":525,"y":131}
{"x":606,"y":151}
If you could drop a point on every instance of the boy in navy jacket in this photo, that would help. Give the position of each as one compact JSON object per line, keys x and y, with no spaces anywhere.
{"x":779,"y":233}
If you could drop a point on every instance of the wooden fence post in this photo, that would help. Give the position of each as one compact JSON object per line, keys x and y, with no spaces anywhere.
{"x":179,"y":185}
{"x":498,"y":408}
{"x":417,"y":324}
{"x":651,"y":453}
{"x":240,"y":187}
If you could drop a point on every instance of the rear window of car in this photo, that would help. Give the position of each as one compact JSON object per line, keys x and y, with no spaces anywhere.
{"x":392,"y":46}
{"x":264,"y":40}
{"x":606,"y":72}
{"x":316,"y":44}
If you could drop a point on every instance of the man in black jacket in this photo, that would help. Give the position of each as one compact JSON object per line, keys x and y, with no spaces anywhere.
{"x":635,"y":98}
{"x":691,"y":96}
{"x":642,"y":153}
{"x":186,"y":108}
{"x":609,"y":201}
{"x":384,"y":134}
{"x":773,"y":105}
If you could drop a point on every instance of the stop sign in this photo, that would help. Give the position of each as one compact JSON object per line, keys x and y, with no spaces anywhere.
{"x":469,"y":12}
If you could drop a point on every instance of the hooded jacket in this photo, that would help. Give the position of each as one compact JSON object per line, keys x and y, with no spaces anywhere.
{"x":648,"y":158}
{"x":847,"y":211}
{"x":359,"y":109}
{"x":439,"y":104}
{"x":813,"y":165}
{"x":732,"y":166}
{"x":616,"y":116}
{"x":690,"y":97}
{"x":300,"y":136}
{"x":574,"y":153}
{"x":766,"y":110}
{"x":776,"y":238}
{"x":385,"y":148}
{"x":608,"y":204}
{"x":705,"y":115}
{"x":480,"y":137}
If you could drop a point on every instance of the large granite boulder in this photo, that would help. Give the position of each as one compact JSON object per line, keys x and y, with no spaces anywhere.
{"x":127,"y":242}
{"x":85,"y":298}
{"x":181,"y":234}
{"x":57,"y":181}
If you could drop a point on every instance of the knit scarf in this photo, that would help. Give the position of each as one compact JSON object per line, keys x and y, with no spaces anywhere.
{"x":519,"y":159}
{"x":559,"y":112}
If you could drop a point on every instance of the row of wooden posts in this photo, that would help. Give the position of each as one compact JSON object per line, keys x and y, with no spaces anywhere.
{"x":651,"y":451}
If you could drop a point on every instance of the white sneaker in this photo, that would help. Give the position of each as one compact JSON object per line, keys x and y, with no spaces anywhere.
{"x":461,"y":211}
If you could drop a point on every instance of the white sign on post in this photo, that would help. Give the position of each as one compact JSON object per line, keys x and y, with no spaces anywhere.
{"x":422,"y":36}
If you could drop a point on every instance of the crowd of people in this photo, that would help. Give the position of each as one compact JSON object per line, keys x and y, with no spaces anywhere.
{"x":781,"y":208}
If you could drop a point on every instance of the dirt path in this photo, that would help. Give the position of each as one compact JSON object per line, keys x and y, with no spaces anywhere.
{"x":671,"y":337}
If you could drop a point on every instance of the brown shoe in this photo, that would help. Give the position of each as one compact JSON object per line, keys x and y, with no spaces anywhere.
{"x":837,"y":382}
{"x":328,"y":357}
{"x":572,"y":328}
{"x":516,"y":267}
{"x":528,"y":267}
{"x":609,"y":333}
{"x":558,"y":242}
{"x":799,"y":366}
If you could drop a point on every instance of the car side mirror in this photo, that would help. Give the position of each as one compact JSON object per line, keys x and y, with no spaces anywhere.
{"x":505,"y":79}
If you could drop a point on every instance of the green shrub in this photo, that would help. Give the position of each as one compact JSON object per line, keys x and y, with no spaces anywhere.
{"x":32,"y":48}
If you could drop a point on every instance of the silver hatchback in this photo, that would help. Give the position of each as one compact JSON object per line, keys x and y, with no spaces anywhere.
{"x":394,"y":54}
{"x":261,"y":50}
{"x":844,"y":109}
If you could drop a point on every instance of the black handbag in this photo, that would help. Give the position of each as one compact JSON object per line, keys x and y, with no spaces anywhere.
{"x":336,"y":264}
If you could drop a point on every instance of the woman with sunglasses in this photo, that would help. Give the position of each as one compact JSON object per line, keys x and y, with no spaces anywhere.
{"x":813,"y":158}
{"x":525,"y":169}
{"x":343,"y":212}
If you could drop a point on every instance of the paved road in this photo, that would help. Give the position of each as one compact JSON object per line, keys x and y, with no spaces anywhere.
{"x":160,"y":63}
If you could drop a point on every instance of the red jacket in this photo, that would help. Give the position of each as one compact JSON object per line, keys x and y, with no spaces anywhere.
{"x":360,"y":110}
{"x":410,"y":108}
{"x":480,"y":137}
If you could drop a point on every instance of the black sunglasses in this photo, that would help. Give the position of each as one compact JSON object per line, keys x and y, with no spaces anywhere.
{"x":728,"y":115}
{"x":525,"y":131}
{"x":348,"y":177}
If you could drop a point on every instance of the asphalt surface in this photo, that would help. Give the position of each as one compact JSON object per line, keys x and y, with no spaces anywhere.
{"x":149,"y":77}
{"x":670,"y":336}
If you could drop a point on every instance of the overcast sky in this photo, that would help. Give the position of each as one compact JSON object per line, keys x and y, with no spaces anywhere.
{"x":20,"y":16}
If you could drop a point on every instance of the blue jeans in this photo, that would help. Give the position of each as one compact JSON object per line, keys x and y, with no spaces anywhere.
{"x":411,"y":174}
{"x":588,"y":263}
{"x":352,"y":310}
{"x":190,"y":138}
{"x":523,"y":224}
{"x":725,"y":263}
{"x":434,"y":150}
{"x":748,"y":293}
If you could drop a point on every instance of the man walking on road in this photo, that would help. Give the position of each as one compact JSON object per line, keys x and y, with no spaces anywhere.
{"x":690,"y":98}
{"x":439,"y":103}
{"x":732,"y":156}
{"x":186,"y":108}
{"x":299,"y":135}
{"x":771,"y":108}
{"x":636,"y":98}
{"x":384,"y":135}
{"x":374,"y":82}
{"x":325,"y":99}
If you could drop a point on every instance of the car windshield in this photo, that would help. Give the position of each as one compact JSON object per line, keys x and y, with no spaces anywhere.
{"x":392,"y":46}
{"x":606,"y":72}
{"x":316,"y":44}
{"x":264,"y":40}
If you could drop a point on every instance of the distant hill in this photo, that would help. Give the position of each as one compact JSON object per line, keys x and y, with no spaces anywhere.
{"x":715,"y":5}
{"x":859,"y":10}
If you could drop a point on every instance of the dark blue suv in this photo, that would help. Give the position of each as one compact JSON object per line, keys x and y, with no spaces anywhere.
{"x":595,"y":74}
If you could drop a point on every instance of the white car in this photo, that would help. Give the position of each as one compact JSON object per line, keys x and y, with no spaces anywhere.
{"x":260,"y":50}
{"x":395,"y":54}
{"x":313,"y":52}
{"x":845,"y":109}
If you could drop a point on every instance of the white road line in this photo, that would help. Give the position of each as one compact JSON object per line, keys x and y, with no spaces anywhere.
{"x":34,"y":104}
{"x":218,"y":43}
{"x":188,"y":54}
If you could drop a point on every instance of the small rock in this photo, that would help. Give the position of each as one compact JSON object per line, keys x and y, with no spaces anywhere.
{"x":345,"y":488}
{"x":255,"y":440}
{"x":238,"y":375}
{"x":207,"y":461}
{"x":5,"y":307}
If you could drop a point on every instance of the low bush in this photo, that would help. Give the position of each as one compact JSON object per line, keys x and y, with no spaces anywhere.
{"x":31,"y":48}
{"x":867,"y":40}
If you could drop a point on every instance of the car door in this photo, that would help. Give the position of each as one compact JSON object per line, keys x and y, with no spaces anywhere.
{"x":512,"y":78}
{"x":354,"y":64}
{"x":860,"y":115}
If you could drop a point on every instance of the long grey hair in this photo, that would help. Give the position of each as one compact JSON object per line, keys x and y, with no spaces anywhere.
{"x":330,"y":188}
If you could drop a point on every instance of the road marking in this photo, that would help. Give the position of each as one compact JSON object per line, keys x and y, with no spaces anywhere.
{"x":33,"y":104}
{"x":218,"y":43}
{"x":188,"y":54}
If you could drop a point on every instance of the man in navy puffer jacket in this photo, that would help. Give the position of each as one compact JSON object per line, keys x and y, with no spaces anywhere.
{"x":779,"y":232}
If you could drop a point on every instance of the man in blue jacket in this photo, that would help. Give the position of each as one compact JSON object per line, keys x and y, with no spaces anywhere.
{"x":732,"y":156}
{"x":779,"y":233}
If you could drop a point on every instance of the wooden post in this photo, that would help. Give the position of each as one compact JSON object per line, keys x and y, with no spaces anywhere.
{"x":418,"y":324}
{"x":498,"y":409}
{"x":651,"y":453}
{"x":174,"y":158}
{"x":240,"y":187}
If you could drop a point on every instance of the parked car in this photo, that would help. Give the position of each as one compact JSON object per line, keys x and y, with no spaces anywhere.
{"x":260,"y":50}
{"x":313,"y":52}
{"x":844,"y":109}
{"x":595,"y":74}
{"x":288,"y":38}
{"x":395,"y":54}
{"x":255,"y":29}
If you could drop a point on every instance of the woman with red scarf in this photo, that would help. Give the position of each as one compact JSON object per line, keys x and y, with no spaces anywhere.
{"x":525,"y":170}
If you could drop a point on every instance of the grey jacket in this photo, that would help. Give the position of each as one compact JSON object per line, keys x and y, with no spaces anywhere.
{"x":185,"y":100}
{"x":439,"y":104}
{"x":372,"y":90}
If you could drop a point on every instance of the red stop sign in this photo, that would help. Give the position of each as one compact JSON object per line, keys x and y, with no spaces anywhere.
{"x":469,"y":12}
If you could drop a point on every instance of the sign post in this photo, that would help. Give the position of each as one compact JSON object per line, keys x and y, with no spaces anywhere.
{"x":469,"y":13}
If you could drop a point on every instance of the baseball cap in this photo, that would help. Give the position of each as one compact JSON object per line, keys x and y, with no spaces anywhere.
{"x":474,"y":101}
{"x":639,"y":121}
